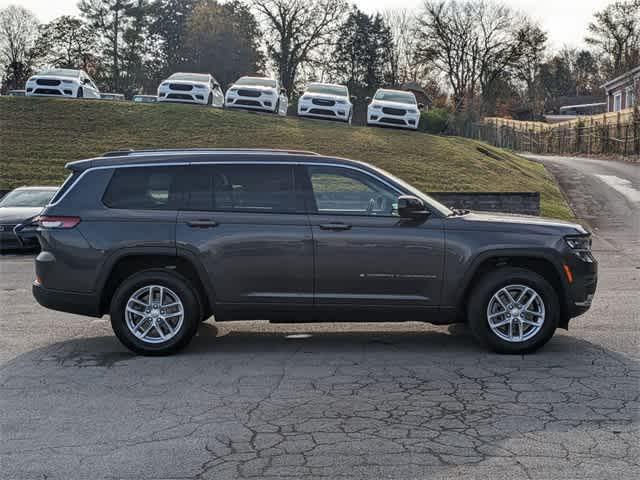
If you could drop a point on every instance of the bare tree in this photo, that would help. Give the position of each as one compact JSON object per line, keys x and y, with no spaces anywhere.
{"x":473,"y":43}
{"x":18,"y":31}
{"x":295,"y":29}
{"x":616,"y":33}
{"x":403,"y":66}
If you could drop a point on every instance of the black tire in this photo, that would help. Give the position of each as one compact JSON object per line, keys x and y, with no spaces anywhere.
{"x":210,"y":100}
{"x":491,"y":283}
{"x":181,"y":287}
{"x":80,"y":93}
{"x":277,"y":109}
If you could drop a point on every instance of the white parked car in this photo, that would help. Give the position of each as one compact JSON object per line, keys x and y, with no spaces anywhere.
{"x":62,"y":82}
{"x":394,"y":108}
{"x":198,"y":88}
{"x":326,"y":100}
{"x":257,"y":93}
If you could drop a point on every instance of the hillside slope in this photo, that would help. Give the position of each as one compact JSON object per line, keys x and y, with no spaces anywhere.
{"x":38,"y":136}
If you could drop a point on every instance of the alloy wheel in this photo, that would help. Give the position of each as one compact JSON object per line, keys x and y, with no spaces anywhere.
{"x":154,"y":314}
{"x":516,"y":313}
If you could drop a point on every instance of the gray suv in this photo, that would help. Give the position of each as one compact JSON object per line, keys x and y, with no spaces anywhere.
{"x":162,"y":240}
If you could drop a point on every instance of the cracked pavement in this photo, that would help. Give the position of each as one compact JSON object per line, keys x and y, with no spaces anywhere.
{"x":255,"y":400}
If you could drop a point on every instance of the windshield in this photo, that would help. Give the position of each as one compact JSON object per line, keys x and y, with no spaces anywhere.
{"x":27,"y":198}
{"x":190,"y":77}
{"x":259,"y":81}
{"x":400,"y":97}
{"x":62,"y":72}
{"x":337,"y":90}
{"x":432,"y":202}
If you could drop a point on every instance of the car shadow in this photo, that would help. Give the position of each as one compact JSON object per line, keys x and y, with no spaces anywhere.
{"x":407,"y":401}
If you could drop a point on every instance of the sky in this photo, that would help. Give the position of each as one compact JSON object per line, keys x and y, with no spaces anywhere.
{"x":565,"y":20}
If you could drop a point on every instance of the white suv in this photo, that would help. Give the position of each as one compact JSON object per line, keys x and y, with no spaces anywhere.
{"x":326,"y":100}
{"x":62,"y":82}
{"x":198,"y":88}
{"x":257,"y":93}
{"x":394,"y":108}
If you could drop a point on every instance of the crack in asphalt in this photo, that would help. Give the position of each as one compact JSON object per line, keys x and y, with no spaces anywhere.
{"x":322,"y":411}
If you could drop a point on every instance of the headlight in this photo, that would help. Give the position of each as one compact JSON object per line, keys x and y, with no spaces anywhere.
{"x":581,"y":246}
{"x":377,"y":107}
{"x":341,"y":102}
{"x":200,"y":86}
{"x":412,"y":111}
{"x":67,"y":81}
{"x":233,"y":90}
{"x":305,"y":97}
{"x":269,"y":92}
{"x":31,"y":80}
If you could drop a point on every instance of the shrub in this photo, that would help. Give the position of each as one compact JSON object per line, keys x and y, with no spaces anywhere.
{"x":434,"y":121}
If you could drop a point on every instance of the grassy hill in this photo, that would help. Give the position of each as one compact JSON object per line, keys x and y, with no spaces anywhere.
{"x":38,"y":136}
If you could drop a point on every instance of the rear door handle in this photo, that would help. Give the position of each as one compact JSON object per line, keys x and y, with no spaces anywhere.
{"x":335,"y":226}
{"x":202,"y":223}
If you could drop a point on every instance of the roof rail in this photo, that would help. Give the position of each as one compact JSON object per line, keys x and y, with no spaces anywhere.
{"x":124,"y":153}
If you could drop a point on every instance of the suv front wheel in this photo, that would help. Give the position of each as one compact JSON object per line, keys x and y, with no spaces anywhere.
{"x":513,"y":310}
{"x":155,"y":312}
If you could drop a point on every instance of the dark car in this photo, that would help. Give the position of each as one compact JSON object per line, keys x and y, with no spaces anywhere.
{"x":16,"y":208}
{"x":162,"y":240}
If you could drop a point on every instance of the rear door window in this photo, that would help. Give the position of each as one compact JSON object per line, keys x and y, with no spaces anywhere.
{"x":146,"y":188}
{"x":243,"y":188}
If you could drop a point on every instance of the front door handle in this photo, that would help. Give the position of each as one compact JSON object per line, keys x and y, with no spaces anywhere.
{"x":335,"y":226}
{"x":202,"y":223}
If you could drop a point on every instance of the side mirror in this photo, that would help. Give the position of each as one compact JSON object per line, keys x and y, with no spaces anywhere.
{"x":85,"y":81}
{"x":421,"y":106}
{"x":353,"y":98}
{"x":367,"y":99}
{"x":283,"y":91}
{"x":411,"y":207}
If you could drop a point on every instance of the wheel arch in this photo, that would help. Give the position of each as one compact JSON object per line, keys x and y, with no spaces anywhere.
{"x":542,"y":263}
{"x":126,"y":263}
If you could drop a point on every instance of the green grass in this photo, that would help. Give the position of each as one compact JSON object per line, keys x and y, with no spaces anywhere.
{"x":38,"y":136}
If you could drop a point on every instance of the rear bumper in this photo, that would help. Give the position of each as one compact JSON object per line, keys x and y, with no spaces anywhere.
{"x":70,"y":302}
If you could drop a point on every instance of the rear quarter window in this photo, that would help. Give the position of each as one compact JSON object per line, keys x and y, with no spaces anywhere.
{"x":145,"y":188}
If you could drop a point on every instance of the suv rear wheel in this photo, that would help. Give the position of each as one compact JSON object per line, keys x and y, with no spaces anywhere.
{"x":155,"y":312}
{"x":513,"y":310}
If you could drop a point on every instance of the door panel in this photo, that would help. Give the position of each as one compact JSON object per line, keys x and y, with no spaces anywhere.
{"x":252,"y":257}
{"x":255,"y":241}
{"x":365,"y":255}
{"x":378,"y":261}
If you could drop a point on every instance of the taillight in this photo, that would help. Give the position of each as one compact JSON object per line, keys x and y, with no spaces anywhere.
{"x":58,"y":222}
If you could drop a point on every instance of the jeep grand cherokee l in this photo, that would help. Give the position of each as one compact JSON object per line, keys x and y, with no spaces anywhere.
{"x":162,"y":240}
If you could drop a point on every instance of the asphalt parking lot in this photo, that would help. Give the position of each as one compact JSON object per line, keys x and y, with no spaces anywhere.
{"x":254,"y":400}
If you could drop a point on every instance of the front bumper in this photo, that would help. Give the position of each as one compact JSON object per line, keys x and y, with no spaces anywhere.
{"x":336,"y":111}
{"x":191,"y":97}
{"x":9,"y":240}
{"x":69,"y":302}
{"x":62,"y":90}
{"x":263,"y":103}
{"x":380,"y":118}
{"x":583,"y":288}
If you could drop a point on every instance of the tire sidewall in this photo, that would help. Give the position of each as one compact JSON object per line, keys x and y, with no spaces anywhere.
{"x":488,"y":286}
{"x":180,"y":286}
{"x":80,"y":93}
